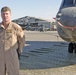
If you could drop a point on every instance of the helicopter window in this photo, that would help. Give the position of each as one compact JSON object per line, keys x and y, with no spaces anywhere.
{"x":68,"y":3}
{"x":74,"y":2}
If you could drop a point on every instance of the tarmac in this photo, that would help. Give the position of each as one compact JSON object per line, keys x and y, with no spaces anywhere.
{"x":45,"y":53}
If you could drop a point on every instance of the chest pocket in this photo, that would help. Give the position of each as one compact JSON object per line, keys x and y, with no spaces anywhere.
{"x":8,"y":34}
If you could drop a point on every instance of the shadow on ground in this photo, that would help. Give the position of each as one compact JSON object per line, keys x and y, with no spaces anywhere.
{"x":44,"y":55}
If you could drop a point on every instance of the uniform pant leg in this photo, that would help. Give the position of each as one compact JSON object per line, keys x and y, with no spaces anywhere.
{"x":12,"y":62}
{"x":2,"y":70}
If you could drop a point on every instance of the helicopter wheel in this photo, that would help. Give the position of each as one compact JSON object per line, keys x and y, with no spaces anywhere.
{"x":70,"y":48}
{"x":75,"y":47}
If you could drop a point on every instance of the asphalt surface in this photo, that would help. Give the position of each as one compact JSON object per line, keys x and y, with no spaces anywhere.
{"x":45,"y":53}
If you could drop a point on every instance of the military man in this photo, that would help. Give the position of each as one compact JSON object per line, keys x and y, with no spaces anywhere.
{"x":12,"y":40}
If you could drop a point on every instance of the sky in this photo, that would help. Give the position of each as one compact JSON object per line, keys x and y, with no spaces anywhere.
{"x":45,"y":9}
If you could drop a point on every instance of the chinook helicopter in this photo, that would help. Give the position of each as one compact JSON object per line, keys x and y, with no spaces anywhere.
{"x":66,"y":23}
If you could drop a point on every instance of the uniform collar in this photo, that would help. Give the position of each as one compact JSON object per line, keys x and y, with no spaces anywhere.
{"x":9,"y":26}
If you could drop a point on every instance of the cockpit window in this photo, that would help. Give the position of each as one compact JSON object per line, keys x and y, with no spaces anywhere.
{"x":68,"y":2}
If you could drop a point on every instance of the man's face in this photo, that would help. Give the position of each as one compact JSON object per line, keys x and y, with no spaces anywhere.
{"x":6,"y":16}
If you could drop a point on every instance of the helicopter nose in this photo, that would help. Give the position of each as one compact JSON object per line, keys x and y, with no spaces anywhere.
{"x":68,"y":16}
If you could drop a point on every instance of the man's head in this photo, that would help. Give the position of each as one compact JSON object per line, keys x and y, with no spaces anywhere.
{"x":4,"y":9}
{"x":6,"y":14}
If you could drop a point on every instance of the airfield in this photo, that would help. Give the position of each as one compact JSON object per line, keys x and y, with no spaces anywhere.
{"x":45,"y":53}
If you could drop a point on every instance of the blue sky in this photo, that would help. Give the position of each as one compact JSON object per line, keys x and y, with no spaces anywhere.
{"x":46,"y":9}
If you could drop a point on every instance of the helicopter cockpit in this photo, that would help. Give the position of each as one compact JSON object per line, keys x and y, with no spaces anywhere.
{"x":68,"y":3}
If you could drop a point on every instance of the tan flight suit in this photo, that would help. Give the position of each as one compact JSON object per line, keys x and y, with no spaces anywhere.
{"x":10,"y":39}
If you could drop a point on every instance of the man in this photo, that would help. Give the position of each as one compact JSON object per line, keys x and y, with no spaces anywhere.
{"x":12,"y":40}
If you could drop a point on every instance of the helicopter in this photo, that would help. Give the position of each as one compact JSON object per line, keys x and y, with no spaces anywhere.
{"x":66,"y":23}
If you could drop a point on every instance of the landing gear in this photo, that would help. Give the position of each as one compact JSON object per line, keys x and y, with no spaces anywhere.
{"x":75,"y":47}
{"x":72,"y":47}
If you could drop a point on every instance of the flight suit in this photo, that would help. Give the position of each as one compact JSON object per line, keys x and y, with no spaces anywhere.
{"x":11,"y":39}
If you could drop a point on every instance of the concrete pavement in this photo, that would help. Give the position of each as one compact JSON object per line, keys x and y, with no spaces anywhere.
{"x":45,"y":53}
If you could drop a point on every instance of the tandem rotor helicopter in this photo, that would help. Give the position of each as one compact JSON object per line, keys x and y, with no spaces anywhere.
{"x":66,"y":23}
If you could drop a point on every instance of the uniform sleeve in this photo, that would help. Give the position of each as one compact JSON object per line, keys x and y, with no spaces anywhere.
{"x":20,"y":39}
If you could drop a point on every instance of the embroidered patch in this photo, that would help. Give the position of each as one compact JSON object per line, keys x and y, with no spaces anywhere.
{"x":20,"y":30}
{"x":9,"y":31}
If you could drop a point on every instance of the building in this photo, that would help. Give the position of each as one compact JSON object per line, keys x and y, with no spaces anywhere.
{"x":32,"y":23}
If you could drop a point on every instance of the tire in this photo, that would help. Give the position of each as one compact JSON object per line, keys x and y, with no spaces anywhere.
{"x":70,"y":48}
{"x":75,"y":47}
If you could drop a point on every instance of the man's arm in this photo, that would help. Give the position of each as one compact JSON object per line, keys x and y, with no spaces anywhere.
{"x":20,"y":40}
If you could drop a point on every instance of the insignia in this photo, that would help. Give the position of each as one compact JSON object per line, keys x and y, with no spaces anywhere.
{"x":9,"y":30}
{"x":20,"y":30}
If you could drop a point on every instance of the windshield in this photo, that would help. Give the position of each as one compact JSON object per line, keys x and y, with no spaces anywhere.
{"x":69,"y":3}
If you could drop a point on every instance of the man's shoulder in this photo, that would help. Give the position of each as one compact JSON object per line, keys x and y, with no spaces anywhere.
{"x":15,"y":25}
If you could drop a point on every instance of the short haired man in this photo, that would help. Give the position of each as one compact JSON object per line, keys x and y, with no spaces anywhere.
{"x":11,"y":38}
